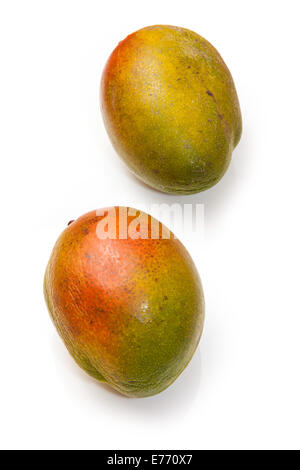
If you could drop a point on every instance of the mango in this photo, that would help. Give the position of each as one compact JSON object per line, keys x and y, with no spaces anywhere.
{"x":171,"y":109}
{"x":126,"y":299}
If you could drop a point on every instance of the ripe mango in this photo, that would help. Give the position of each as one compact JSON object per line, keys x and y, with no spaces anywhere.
{"x":129,"y":308}
{"x":171,"y":109}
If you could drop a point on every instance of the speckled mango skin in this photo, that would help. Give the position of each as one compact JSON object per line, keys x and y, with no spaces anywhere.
{"x":171,"y":109}
{"x":130,"y":311}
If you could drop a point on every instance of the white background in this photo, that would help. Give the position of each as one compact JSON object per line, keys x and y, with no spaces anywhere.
{"x":242,"y":388}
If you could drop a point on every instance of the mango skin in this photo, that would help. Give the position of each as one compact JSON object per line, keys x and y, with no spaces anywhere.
{"x":170,"y":108}
{"x":130,"y":311}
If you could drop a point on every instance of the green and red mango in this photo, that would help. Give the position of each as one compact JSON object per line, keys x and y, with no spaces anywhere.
{"x":129,"y":310}
{"x":171,"y":109}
